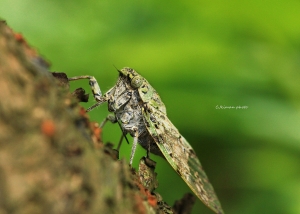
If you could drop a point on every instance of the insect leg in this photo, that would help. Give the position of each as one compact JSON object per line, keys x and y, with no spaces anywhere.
{"x":120,"y":142}
{"x":112,"y":118}
{"x":94,"y":86}
{"x":135,"y":141}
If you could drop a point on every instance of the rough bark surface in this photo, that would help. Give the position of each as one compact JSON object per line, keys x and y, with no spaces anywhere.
{"x":52,"y":159}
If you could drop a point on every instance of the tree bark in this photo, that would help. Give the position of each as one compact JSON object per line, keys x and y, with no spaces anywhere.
{"x":52,"y":159}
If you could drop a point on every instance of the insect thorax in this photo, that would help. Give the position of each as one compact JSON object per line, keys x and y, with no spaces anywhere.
{"x":127,"y":106}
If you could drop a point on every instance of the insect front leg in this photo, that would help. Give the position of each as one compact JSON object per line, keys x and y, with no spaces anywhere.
{"x":93,"y":84}
{"x":95,"y":89}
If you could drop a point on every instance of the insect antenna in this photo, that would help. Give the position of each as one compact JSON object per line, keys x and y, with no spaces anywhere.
{"x":116,"y":68}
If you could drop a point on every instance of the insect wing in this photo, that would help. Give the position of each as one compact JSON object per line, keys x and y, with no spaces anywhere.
{"x":180,"y":156}
{"x":149,"y":95}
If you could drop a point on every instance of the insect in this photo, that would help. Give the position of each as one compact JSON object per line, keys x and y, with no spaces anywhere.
{"x":139,"y":110}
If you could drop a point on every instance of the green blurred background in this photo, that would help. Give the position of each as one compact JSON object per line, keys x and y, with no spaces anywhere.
{"x":197,"y":55}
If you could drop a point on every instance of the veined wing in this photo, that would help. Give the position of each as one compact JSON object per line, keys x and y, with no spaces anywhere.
{"x":181,"y":156}
{"x":150,"y":96}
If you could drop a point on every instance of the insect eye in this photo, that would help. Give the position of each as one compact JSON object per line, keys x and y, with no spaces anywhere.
{"x":136,"y":82}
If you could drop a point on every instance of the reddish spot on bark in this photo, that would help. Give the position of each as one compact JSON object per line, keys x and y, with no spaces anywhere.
{"x":48,"y":127}
{"x":82,"y":112}
{"x":97,"y":132}
{"x":97,"y":135}
{"x":151,"y":199}
{"x":19,"y":37}
{"x":139,"y":207}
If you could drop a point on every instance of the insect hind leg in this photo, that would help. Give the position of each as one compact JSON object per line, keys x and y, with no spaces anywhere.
{"x":135,"y":141}
{"x":134,"y":144}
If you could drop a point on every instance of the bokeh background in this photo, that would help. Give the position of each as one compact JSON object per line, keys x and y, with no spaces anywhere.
{"x":199,"y":56}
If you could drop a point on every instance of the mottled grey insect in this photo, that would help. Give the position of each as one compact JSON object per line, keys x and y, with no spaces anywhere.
{"x":140,"y":112}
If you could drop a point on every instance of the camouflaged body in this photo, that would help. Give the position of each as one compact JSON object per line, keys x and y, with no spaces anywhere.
{"x":125,"y":102}
{"x":140,"y":112}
